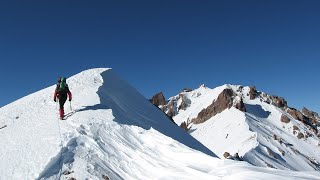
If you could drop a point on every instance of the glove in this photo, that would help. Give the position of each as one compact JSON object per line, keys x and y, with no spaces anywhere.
{"x":55,"y":100}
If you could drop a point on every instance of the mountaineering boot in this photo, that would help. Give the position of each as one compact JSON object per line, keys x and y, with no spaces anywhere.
{"x":61,"y":114}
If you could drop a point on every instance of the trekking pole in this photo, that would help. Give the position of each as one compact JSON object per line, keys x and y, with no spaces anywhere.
{"x":57,"y":108}
{"x":70,"y":106}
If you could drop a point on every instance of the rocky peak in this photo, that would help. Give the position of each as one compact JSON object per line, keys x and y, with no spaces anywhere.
{"x":158,"y":99}
{"x":253,"y":93}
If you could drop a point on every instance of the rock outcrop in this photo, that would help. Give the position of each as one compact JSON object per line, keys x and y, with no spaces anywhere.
{"x":296,"y":114}
{"x":224,"y":101}
{"x":158,"y":99}
{"x":253,"y":93}
{"x":284,"y":119}
{"x":240,"y":105}
{"x":279,"y":102}
{"x":185,"y":102}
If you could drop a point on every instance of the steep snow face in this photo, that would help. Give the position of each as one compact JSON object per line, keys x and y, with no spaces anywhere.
{"x":112,"y":132}
{"x":230,"y":131}
{"x":257,"y":135}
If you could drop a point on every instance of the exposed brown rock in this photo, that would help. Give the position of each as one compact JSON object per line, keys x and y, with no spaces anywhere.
{"x":185,"y":102}
{"x":226,"y":155}
{"x":279,"y":101}
{"x":300,"y":135}
{"x":295,"y":114}
{"x":300,"y":117}
{"x":310,"y":114}
{"x":253,"y":92}
{"x":284,"y":119}
{"x":171,"y":111}
{"x":295,"y":128}
{"x":240,"y":106}
{"x":224,"y":101}
{"x":158,"y":99}
{"x":313,"y":121}
{"x":313,"y":116}
{"x":184,"y":126}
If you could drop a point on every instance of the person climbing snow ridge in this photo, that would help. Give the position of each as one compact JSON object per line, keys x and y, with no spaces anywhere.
{"x":61,"y":92}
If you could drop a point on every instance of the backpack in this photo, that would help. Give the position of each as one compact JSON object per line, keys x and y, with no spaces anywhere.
{"x":62,"y":85}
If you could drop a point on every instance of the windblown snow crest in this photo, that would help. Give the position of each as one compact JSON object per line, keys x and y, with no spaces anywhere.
{"x":113,"y":132}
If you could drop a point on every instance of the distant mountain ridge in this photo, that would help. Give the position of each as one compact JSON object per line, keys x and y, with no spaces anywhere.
{"x":242,"y":123}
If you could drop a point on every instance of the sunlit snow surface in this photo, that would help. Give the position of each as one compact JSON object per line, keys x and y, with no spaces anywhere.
{"x":114,"y":132}
{"x":250,"y":134}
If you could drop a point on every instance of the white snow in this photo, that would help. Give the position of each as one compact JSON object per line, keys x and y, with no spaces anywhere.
{"x":226,"y":132}
{"x":114,"y":132}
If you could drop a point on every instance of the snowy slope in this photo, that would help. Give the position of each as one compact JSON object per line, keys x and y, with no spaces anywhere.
{"x":113,"y":132}
{"x":258,"y":136}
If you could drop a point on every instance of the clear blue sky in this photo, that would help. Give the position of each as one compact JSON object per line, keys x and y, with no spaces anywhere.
{"x":164,"y":45}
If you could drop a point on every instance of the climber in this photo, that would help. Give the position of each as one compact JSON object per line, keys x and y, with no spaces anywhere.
{"x":61,"y":92}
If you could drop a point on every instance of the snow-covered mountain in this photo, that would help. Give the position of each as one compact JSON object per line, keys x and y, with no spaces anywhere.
{"x":112,"y":132}
{"x":242,"y":123}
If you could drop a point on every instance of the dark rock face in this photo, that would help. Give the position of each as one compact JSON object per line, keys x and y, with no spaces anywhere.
{"x":300,"y":135}
{"x":311,"y":122}
{"x":184,"y":126}
{"x":185,"y":102}
{"x":309,"y":113}
{"x":279,"y":101}
{"x":253,"y":92}
{"x":284,"y":119}
{"x":226,"y":154}
{"x":313,"y":116}
{"x":240,"y":105}
{"x":295,"y":114}
{"x":158,"y":99}
{"x":224,"y":101}
{"x":171,"y":111}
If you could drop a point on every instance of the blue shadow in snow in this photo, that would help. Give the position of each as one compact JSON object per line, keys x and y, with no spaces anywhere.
{"x":257,"y":110}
